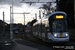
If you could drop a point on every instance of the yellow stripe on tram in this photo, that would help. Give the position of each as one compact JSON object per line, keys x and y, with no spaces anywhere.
{"x":61,"y":34}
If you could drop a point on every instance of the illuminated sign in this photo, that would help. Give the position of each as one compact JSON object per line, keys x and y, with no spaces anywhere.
{"x":59,"y":16}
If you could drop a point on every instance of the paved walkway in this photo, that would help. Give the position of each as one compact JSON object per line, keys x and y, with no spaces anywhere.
{"x":27,"y":45}
{"x":23,"y":47}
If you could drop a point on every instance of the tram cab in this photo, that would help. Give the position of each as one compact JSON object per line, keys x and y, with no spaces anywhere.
{"x":57,"y":27}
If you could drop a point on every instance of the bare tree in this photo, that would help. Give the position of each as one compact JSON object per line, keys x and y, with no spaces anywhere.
{"x":49,"y":7}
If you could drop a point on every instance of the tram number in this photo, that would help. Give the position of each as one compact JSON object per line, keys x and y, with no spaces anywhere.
{"x":61,"y":34}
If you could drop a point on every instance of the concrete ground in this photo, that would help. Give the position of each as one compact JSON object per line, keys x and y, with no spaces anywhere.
{"x":6,"y":43}
{"x":20,"y":44}
{"x":27,"y":45}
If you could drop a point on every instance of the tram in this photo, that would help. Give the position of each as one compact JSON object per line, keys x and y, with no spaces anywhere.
{"x":52,"y":28}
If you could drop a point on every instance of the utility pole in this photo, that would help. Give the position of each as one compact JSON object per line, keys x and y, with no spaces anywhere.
{"x":39,"y":14}
{"x":11,"y":27}
{"x":41,"y":23}
{"x":11,"y":23}
{"x":24,"y":18}
{"x":43,"y":14}
{"x":35,"y":16}
{"x":3,"y":25}
{"x":24,"y":23}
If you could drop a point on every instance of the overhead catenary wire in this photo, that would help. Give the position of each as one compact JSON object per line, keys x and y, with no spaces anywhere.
{"x":30,"y":5}
{"x":28,"y":8}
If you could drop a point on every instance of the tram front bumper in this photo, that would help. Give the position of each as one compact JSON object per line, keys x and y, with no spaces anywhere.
{"x":61,"y":39}
{"x":58,"y":40}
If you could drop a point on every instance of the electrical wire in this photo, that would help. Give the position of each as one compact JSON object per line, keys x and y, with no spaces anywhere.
{"x":28,"y":8}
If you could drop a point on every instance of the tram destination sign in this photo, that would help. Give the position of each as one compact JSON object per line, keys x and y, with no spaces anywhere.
{"x":59,"y":16}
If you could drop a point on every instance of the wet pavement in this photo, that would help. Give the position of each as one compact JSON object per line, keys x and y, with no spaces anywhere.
{"x":27,"y":45}
{"x":6,"y":43}
{"x":20,"y":44}
{"x":37,"y":46}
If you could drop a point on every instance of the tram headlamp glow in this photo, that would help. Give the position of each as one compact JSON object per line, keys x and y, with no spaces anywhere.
{"x":66,"y":34}
{"x":55,"y":35}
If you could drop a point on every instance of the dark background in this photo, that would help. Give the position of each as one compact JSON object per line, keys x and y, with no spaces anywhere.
{"x":68,"y":7}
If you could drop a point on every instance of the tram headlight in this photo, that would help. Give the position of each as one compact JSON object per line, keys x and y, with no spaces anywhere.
{"x":55,"y":35}
{"x":66,"y":34}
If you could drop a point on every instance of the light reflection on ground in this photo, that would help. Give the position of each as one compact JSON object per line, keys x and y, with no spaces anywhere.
{"x":8,"y":44}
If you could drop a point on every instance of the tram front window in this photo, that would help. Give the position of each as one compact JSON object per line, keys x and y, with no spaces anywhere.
{"x":59,"y":26}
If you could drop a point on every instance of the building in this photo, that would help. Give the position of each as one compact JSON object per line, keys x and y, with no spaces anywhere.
{"x":68,"y":7}
{"x":6,"y":26}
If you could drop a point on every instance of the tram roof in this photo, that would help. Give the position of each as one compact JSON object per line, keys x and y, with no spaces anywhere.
{"x":49,"y":15}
